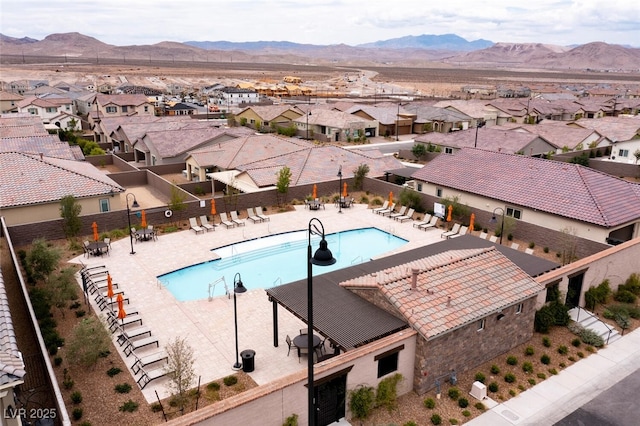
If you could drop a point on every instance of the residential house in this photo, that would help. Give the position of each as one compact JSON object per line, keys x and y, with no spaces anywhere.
{"x":476,"y":109}
{"x":468,"y":306}
{"x":435,"y":119}
{"x":22,"y":86}
{"x":334,"y":126}
{"x":105,"y":128}
{"x":32,"y":190}
{"x":180,"y":108}
{"x":103,"y":106}
{"x":565,"y":137}
{"x":46,"y":108}
{"x":26,"y":134}
{"x":623,"y":132}
{"x":513,"y":110}
{"x":550,"y":195}
{"x":268,"y":116}
{"x":9,"y":102}
{"x":391,"y":118}
{"x":233,"y":96}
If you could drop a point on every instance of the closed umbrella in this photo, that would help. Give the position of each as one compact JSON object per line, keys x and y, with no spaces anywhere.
{"x":314,"y":195}
{"x":94,"y":225}
{"x":449,"y":210}
{"x":472,"y":221}
{"x":109,"y":288}
{"x":213,"y":207}
{"x":390,"y":197}
{"x":143,"y":221}
{"x":344,"y":189}
{"x":121,"y":313}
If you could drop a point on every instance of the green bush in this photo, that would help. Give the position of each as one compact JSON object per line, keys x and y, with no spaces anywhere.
{"x":580,"y":354}
{"x":512,"y":392}
{"x":512,"y":360}
{"x":409,"y":423}
{"x":553,"y":371}
{"x":532,"y":244}
{"x":597,"y":295}
{"x":532,"y":381}
{"x":213,"y":386}
{"x":463,"y":402}
{"x":57,"y":361}
{"x":113,"y":371}
{"x":292,"y":420}
{"x":156,"y":407}
{"x":480,"y":406}
{"x":76,"y":397}
{"x":545,"y":359}
{"x":453,"y":421}
{"x":436,"y":419}
{"x":230,"y":380}
{"x":76,"y":413}
{"x":454,"y":393}
{"x":123,"y":388}
{"x":387,"y":392}
{"x":624,"y":296}
{"x":128,"y":407}
{"x":546,"y":342}
{"x":563,"y":350}
{"x":529,"y":351}
{"x":495,"y":369}
{"x":527,"y":367}
{"x":480,"y":377}
{"x":542,"y":376}
{"x":576,"y":342}
{"x":545,"y":249}
{"x":493,"y":387}
{"x":592,"y":338}
{"x":361,"y":401}
{"x":509,"y":378}
{"x":429,"y":403}
{"x":466,"y":413}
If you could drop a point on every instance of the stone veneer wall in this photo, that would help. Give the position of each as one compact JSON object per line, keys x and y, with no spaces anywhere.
{"x":376,"y":298}
{"x":466,"y":348}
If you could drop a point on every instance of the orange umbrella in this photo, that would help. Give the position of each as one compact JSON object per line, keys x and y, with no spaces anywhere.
{"x":95,"y":231}
{"x":143,"y":221}
{"x":390,"y":197}
{"x":109,"y":286}
{"x":472,"y":221}
{"x":213,"y":207}
{"x":314,"y":195}
{"x":121,"y":313}
{"x":449,"y":210}
{"x":344,"y":189}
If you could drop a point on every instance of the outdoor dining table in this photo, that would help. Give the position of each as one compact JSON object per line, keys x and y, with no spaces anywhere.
{"x":96,"y":247}
{"x":145,"y":234}
{"x":302,"y":341}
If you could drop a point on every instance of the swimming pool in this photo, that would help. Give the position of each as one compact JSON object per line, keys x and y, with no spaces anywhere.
{"x":274,"y":260}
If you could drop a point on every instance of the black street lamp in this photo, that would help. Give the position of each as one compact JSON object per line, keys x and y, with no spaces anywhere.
{"x":480,"y":124}
{"x":340,"y":190}
{"x":238,"y":287}
{"x":494,"y":220}
{"x":322,"y":257}
{"x":307,"y":115}
{"x":134,"y":205}
{"x":397,"y":119}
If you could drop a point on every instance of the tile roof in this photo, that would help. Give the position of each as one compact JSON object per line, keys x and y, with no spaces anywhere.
{"x":331,"y":118}
{"x":11,"y":364}
{"x":125,"y":99}
{"x":172,"y":143}
{"x":554,"y":187}
{"x":621,"y":128}
{"x":109,"y":124}
{"x":453,"y":289}
{"x":28,"y":179}
{"x":271,"y":112}
{"x":560,"y":134}
{"x":489,"y":138}
{"x":48,"y":145}
{"x":385,"y":114}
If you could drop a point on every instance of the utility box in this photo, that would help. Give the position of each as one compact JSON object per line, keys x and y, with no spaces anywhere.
{"x":478,"y":390}
{"x":248,"y":360}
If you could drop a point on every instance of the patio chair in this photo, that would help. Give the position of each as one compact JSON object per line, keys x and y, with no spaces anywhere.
{"x":432,"y":224}
{"x":424,"y":221}
{"x":264,"y":218}
{"x":399,"y":213}
{"x":407,"y":216}
{"x":463,"y":231}
{"x":387,"y":212}
{"x":252,"y":216}
{"x":493,"y":239}
{"x":154,"y":233}
{"x":483,"y":235}
{"x":384,"y":206}
{"x":194,"y":226}
{"x":204,"y":222}
{"x":515,"y":246}
{"x":454,"y":230}
{"x":235,"y":219}
{"x":225,"y":220}
{"x":85,"y":247}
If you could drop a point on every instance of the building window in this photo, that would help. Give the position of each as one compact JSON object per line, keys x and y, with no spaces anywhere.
{"x":153,"y":160}
{"x":388,"y":361}
{"x":146,"y":108}
{"x":124,"y":108}
{"x":51,"y":109}
{"x":111,"y":109}
{"x":448,"y":150}
{"x":439,"y":192}
{"x":481,"y":324}
{"x":519,"y":307}
{"x":104,"y":205}
{"x":514,"y":213}
{"x":623,"y":152}
{"x":419,"y":187}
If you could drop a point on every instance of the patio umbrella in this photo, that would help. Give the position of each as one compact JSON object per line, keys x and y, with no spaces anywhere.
{"x":314,"y":195}
{"x":344,"y":189}
{"x":449,"y":210}
{"x":109,"y":287}
{"x":121,"y":313}
{"x":213,"y":207}
{"x":95,"y":231}
{"x":472,"y":221}
{"x":390,"y":197}
{"x":143,"y":221}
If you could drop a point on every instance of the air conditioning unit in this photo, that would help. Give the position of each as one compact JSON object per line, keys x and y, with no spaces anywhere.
{"x":478,"y":390}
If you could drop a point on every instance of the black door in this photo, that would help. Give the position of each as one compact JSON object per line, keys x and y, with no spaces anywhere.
{"x":574,"y":290}
{"x":330,"y":401}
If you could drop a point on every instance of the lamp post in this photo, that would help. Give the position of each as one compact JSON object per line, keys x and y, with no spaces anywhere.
{"x":238,"y":287}
{"x":397,"y":119}
{"x":480,"y":124}
{"x":340,"y":190}
{"x":134,"y":205}
{"x":494,"y":220}
{"x":322,"y":257}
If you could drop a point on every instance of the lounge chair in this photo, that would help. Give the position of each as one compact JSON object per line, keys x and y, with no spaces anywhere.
{"x":252,"y":216}
{"x":225,"y":220}
{"x":493,"y":239}
{"x":387,"y":212}
{"x":528,"y":251}
{"x":407,"y":216}
{"x":145,"y":361}
{"x":463,"y":231}
{"x":515,"y":246}
{"x":235,"y":219}
{"x":454,"y":230}
{"x":194,"y":226}
{"x":483,"y":235}
{"x":424,"y":221}
{"x":384,"y":207}
{"x":264,"y":218}
{"x":204,"y":222}
{"x":148,"y":376}
{"x":401,"y":212}
{"x":432,"y":224}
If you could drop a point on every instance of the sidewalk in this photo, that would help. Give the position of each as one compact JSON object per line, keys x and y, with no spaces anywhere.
{"x":558,"y":396}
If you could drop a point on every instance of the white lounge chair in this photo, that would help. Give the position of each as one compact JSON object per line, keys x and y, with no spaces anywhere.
{"x":387,"y":212}
{"x":399,"y":213}
{"x":483,"y":235}
{"x":493,"y":239}
{"x":463,"y":231}
{"x":454,"y":231}
{"x":225,"y":220}
{"x":205,"y":223}
{"x":264,"y":218}
{"x":528,"y":250}
{"x":384,"y":207}
{"x":407,"y":216}
{"x":252,"y":216}
{"x":424,"y":221}
{"x":194,"y":225}
{"x":432,"y":224}
{"x":235,"y":219}
{"x":515,"y":246}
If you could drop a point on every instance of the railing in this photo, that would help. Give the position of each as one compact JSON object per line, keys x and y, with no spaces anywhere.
{"x":356,"y":258}
{"x":212,"y":288}
{"x":276,"y":280}
{"x":596,"y":318}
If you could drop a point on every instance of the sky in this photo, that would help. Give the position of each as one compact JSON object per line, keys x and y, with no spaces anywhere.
{"x":325,"y":22}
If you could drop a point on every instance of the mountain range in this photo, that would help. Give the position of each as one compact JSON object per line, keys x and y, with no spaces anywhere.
{"x":411,"y":51}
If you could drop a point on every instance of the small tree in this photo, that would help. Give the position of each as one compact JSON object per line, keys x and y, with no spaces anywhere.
{"x":282,"y":185}
{"x":359,"y":174}
{"x":419,"y":150}
{"x":70,"y":212}
{"x":180,"y":368}
{"x":62,"y":288}
{"x":42,"y":259}
{"x":176,"y":202}
{"x":89,"y":340}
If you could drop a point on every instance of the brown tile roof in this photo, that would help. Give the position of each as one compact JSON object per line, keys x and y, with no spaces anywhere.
{"x":172,"y":143}
{"x":48,"y":145}
{"x":125,"y":99}
{"x":335,"y":119}
{"x":271,"y":112}
{"x":11,"y":364}
{"x":489,"y":138}
{"x":562,"y":189}
{"x":454,"y":288}
{"x":19,"y":125}
{"x":560,"y":134}
{"x":622,"y":128}
{"x":28,"y":179}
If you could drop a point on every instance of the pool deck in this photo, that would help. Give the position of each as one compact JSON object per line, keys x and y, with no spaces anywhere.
{"x":208,"y":325}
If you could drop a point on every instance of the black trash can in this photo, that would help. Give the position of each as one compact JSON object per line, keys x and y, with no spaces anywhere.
{"x":248,"y":360}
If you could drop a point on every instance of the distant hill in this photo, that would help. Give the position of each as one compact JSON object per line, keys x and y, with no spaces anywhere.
{"x":450,"y":42}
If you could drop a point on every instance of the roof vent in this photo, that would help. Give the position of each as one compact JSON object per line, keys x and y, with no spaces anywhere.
{"x":448,"y":301}
{"x":414,"y":278}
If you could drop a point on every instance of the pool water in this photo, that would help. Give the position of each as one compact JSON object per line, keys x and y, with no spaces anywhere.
{"x":274,"y":260}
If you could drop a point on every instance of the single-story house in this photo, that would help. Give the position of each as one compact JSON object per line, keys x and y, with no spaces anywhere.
{"x":334,"y":126}
{"x":268,"y":116}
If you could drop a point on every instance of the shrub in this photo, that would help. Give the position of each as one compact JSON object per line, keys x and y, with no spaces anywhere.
{"x":572,"y":359}
{"x":532,"y":381}
{"x":576,"y":342}
{"x":595,"y":295}
{"x":495,"y":369}
{"x":480,"y":377}
{"x":509,"y":378}
{"x":230,"y":380}
{"x":512,"y":360}
{"x":113,"y":371}
{"x":527,"y":367}
{"x":624,"y":296}
{"x":387,"y":393}
{"x":529,"y":351}
{"x":562,"y":365}
{"x":480,"y":406}
{"x":292,"y":420}
{"x":453,"y":421}
{"x":463,"y":403}
{"x":580,"y":354}
{"x":80,"y":313}
{"x":466,"y":413}
{"x":213,"y":386}
{"x":57,"y":361}
{"x":128,"y":407}
{"x":409,"y":423}
{"x":512,"y":392}
{"x":76,"y":397}
{"x":454,"y":393}
{"x":361,"y":401}
{"x":553,"y":371}
{"x":123,"y":388}
{"x":563,"y":350}
{"x":592,"y":338}
{"x":429,"y":403}
{"x":77,"y":413}
{"x":546,"y":249}
{"x":493,"y":387}
{"x":436,"y":419}
{"x":156,"y":407}
{"x":546,"y":342}
{"x":545,"y":359}
{"x":590,"y":349}
{"x":532,"y":245}
{"x":521,"y":388}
